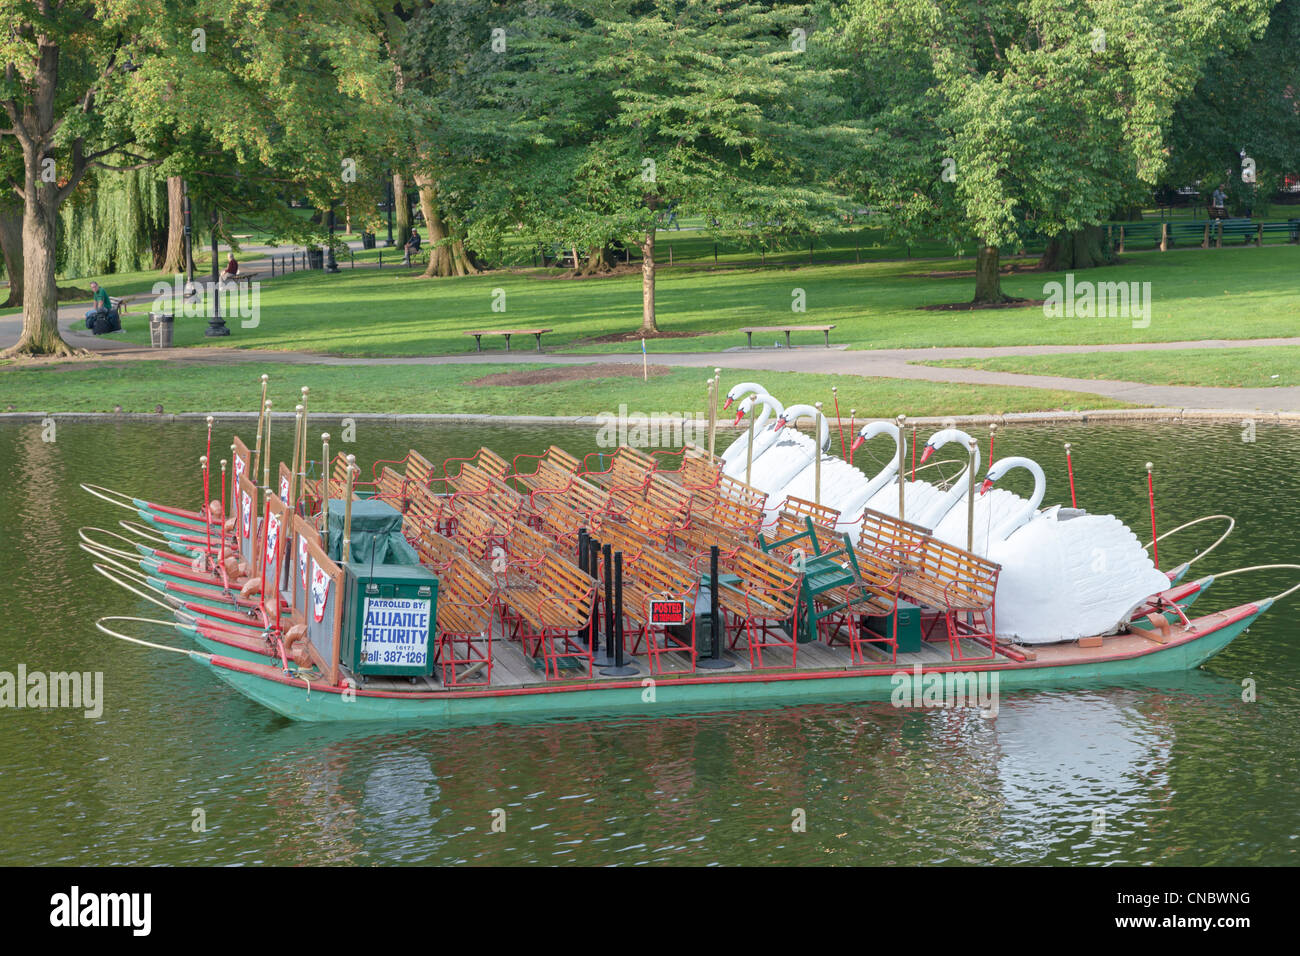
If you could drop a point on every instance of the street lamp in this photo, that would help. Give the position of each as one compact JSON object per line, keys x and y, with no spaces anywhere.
{"x":216,"y":324}
{"x":330,"y":264}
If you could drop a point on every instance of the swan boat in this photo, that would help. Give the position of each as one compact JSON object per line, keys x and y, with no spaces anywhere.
{"x":445,"y":595}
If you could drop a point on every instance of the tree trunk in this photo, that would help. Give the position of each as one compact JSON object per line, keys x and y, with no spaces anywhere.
{"x":1084,"y":248}
{"x":447,"y":255}
{"x":40,"y":335}
{"x":599,"y":261}
{"x":988,"y":283}
{"x":11,"y":242}
{"x":401,"y":211}
{"x":174,"y":258}
{"x":648,"y":324}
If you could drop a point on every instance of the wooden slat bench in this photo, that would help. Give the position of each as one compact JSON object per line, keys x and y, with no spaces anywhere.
{"x":466,"y":603}
{"x":764,"y":603}
{"x":652,"y":576}
{"x":787,"y":329}
{"x":549,"y":614}
{"x":962,"y":586}
{"x":479,"y":333}
{"x":484,"y":458}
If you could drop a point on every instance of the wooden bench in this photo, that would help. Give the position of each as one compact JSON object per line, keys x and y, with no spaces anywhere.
{"x":962,"y":586}
{"x":480,"y":531}
{"x":428,"y":510}
{"x":489,"y":492}
{"x":764,"y":603}
{"x":479,"y":333}
{"x":466,"y":603}
{"x":549,"y":614}
{"x":790,"y":523}
{"x":787,"y":329}
{"x":436,"y":550}
{"x":652,"y":576}
{"x":484,"y":458}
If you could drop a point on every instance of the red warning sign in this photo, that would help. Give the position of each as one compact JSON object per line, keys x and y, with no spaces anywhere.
{"x":667,"y":612}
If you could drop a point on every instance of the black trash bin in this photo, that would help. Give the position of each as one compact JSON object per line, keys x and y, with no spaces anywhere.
{"x":315,"y":258}
{"x":1295,"y":229}
{"x":367,"y":240}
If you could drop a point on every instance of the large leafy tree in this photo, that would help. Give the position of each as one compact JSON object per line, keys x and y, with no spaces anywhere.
{"x":994,"y":120}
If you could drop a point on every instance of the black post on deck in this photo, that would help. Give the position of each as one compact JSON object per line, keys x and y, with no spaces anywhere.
{"x":609,"y":598}
{"x":714,"y":661}
{"x":619,"y":667}
{"x":583,"y":548}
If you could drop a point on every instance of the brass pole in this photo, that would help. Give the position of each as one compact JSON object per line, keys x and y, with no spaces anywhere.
{"x":970,"y":495}
{"x":817,"y":454}
{"x":300,"y":466}
{"x":712,"y":405}
{"x":347,"y":512}
{"x":266,"y":457}
{"x":749,"y":451}
{"x":902,"y":473}
{"x":297,"y":448}
{"x":257,"y":445}
{"x":325,"y":482}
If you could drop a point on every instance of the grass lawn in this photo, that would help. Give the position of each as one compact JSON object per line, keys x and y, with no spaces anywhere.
{"x":1243,"y":367}
{"x":1196,"y":294}
{"x":181,"y":387}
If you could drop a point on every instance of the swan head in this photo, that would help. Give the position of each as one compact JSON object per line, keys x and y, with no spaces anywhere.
{"x":744,"y":408}
{"x":1001,"y":467}
{"x":738,"y":390}
{"x":941,"y":438}
{"x":871,"y":430}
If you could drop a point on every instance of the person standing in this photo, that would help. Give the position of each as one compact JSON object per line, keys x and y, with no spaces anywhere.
{"x":1217,"y":201}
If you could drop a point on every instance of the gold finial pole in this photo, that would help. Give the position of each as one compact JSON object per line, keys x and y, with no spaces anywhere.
{"x":347,"y":511}
{"x":324,"y":481}
{"x":257,"y":445}
{"x":902,"y":474}
{"x":299,"y":435}
{"x":266,"y":456}
{"x":817,"y":454}
{"x":300,"y":466}
{"x":749,"y":450}
{"x":970,"y":496}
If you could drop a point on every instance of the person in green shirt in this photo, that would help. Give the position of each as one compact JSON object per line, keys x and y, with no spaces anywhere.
{"x":102,"y":304}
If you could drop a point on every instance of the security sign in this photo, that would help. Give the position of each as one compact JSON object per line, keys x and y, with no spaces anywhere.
{"x":396,"y":631}
{"x":667,"y":612}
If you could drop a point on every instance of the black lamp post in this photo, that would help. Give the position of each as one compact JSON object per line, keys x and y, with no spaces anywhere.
{"x":390,"y":210}
{"x":216,"y":324}
{"x":189,"y":235}
{"x":330,"y":264}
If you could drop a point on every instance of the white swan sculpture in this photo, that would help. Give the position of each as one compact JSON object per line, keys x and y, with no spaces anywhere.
{"x":790,"y":454}
{"x":1065,"y":575}
{"x":734,"y":457}
{"x":992,"y":507}
{"x":919,"y":497}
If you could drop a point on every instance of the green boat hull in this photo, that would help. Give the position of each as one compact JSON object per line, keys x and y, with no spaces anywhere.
{"x":294,"y":699}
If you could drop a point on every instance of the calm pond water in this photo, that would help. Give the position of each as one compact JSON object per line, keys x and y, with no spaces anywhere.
{"x":1184,"y":771}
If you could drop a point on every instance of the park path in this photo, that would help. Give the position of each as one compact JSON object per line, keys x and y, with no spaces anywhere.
{"x":874,"y":363}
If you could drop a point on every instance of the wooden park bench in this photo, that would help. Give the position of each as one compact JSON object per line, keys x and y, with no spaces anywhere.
{"x":548,"y":615}
{"x":479,"y":333}
{"x":652,"y":576}
{"x":787,"y":329}
{"x":466,"y":604}
{"x":436,"y":550}
{"x":427,"y":509}
{"x":962,"y":586}
{"x":763,"y":604}
{"x":727,"y":523}
{"x":484,"y":458}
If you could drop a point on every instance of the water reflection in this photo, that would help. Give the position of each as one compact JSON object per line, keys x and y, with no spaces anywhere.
{"x":1186,"y":771}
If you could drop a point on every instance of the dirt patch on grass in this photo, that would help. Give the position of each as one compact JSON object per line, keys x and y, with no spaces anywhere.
{"x":972,"y":306}
{"x":638,"y":335}
{"x":567,"y":373}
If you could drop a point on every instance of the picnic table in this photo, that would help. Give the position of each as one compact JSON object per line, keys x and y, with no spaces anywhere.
{"x":787,"y":329}
{"x":479,"y":333}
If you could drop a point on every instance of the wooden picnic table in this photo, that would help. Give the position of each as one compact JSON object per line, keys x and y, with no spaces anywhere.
{"x":787,"y":329}
{"x":479,"y":333}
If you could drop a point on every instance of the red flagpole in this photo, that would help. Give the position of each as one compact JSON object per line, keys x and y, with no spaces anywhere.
{"x":1151,"y":495}
{"x":1069,"y":469}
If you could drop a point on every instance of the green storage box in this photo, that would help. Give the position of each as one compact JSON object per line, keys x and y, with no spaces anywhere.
{"x":389,"y":618}
{"x":909,"y":627}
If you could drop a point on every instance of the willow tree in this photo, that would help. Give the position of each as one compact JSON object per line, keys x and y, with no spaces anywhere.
{"x":116,"y":223}
{"x":1002,"y":120}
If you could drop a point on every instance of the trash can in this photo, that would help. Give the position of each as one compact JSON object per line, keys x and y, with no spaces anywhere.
{"x":315,"y":258}
{"x":1295,"y":229}
{"x":367,"y":240}
{"x":161,"y":325}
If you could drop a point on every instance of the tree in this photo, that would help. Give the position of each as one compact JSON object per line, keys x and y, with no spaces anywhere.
{"x":1026,"y":118}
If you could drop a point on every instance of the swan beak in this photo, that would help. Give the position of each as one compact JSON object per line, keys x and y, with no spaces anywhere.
{"x":740,"y":413}
{"x":925,"y":456}
{"x":780,"y":423}
{"x":727,"y":403}
{"x":857,"y":443}
{"x":988,"y":483}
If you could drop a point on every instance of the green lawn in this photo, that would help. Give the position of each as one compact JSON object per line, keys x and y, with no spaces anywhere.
{"x":179,"y":387}
{"x":1196,"y":294}
{"x":1242,"y":367}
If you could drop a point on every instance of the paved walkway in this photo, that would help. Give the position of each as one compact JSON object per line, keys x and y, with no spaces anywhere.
{"x":877,"y":363}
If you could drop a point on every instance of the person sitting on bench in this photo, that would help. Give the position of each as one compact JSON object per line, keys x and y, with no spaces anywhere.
{"x":102,"y":318}
{"x":412,"y":246}
{"x":232,"y":268}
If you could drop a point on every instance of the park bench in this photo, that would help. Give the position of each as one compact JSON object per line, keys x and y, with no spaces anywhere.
{"x":669,"y":497}
{"x":654,"y":525}
{"x":488,"y":491}
{"x":960,"y":585}
{"x":1244,"y":229}
{"x":338,"y":481}
{"x":427,"y":509}
{"x":485,"y":458}
{"x":580,"y":495}
{"x":548,"y":615}
{"x":1184,"y":233}
{"x":435,"y":550}
{"x":1290,"y":229}
{"x":466,"y":603}
{"x":479,"y":333}
{"x":1138,"y":234}
{"x":651,"y":576}
{"x":555,"y":459}
{"x":728,"y":524}
{"x":790,"y":520}
{"x":749,"y":331}
{"x":561,"y":523}
{"x":479,"y":531}
{"x":763,"y":604}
